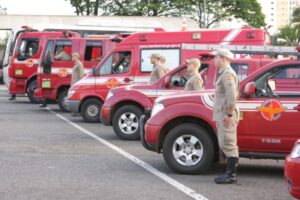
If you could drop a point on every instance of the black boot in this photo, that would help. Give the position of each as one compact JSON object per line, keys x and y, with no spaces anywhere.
{"x":12,"y":97}
{"x":230,"y":175}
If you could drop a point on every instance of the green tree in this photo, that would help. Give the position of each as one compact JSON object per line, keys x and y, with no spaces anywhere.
{"x":209,"y":12}
{"x":206,"y":12}
{"x":288,"y":36}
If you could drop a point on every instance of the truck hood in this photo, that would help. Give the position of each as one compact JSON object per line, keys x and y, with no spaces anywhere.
{"x":185,"y":96}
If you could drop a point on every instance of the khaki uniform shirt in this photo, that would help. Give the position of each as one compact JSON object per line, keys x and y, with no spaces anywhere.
{"x":195,"y":82}
{"x":157,"y":72}
{"x":77,"y":72}
{"x":62,"y":56}
{"x":226,"y":93}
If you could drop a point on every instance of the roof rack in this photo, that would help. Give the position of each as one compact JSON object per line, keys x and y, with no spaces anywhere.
{"x":247,"y":49}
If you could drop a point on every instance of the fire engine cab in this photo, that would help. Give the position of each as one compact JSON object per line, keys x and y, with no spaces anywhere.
{"x":25,"y":59}
{"x":124,"y":106}
{"x":54,"y":74}
{"x":269,"y":115}
{"x":87,"y":96}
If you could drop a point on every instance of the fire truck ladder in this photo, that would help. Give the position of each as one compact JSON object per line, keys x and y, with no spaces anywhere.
{"x":246,"y":49}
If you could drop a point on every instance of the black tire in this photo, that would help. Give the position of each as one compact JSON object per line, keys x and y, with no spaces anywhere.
{"x":130,"y":132}
{"x":31,"y":87}
{"x":90,"y":110}
{"x":62,"y":101}
{"x":203,"y":141}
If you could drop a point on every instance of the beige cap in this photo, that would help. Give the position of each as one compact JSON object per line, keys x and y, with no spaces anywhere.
{"x":224,"y":52}
{"x":194,"y":61}
{"x":75,"y":54}
{"x":155,"y":55}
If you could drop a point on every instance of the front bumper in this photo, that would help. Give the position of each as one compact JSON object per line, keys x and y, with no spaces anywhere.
{"x":291,"y":173}
{"x":148,"y":146}
{"x":73,"y":105}
{"x":105,"y":115}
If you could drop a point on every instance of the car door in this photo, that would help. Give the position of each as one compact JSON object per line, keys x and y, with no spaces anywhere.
{"x":270,"y":123}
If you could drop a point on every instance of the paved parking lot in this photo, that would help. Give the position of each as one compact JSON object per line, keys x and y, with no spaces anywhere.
{"x":47,"y":154}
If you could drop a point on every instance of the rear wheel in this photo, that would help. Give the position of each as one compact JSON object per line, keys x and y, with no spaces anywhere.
{"x":62,"y":101}
{"x":90,"y":110}
{"x":126,"y":122}
{"x":31,"y":87}
{"x":188,"y":149}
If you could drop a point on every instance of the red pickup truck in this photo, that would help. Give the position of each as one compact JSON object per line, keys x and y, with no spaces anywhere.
{"x":292,"y":169}
{"x":124,"y":106}
{"x":181,"y":125}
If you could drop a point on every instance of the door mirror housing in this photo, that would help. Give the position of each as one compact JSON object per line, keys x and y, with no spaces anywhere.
{"x":249,"y":89}
{"x":167,"y":81}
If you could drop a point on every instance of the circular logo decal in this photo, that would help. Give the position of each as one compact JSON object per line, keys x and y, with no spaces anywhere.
{"x":29,"y":63}
{"x":111,"y":83}
{"x":271,"y":110}
{"x":62,"y":72}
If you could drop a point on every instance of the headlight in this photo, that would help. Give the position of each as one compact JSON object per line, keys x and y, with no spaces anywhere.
{"x":110,"y":94}
{"x":296,"y":151}
{"x":156,"y":108}
{"x":70,"y":93}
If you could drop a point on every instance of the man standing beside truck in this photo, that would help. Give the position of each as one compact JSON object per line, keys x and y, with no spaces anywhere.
{"x":158,"y":70}
{"x":78,"y":69}
{"x":226,"y":114}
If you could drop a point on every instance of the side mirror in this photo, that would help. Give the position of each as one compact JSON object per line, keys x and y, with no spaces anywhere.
{"x":249,"y":89}
{"x":167,"y":81}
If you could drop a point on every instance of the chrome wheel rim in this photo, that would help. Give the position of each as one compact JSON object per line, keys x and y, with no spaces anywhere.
{"x":187,"y":150}
{"x":128,"y":123}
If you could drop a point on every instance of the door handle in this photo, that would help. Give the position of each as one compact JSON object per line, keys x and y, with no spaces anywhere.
{"x":297,"y":107}
{"x":126,"y":80}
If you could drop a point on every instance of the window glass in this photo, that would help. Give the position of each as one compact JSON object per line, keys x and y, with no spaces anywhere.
{"x":241,"y":70}
{"x":63,"y":50}
{"x":93,"y":52}
{"x":117,"y":63}
{"x":172,"y":58}
{"x":288,"y":73}
{"x":28,"y":48}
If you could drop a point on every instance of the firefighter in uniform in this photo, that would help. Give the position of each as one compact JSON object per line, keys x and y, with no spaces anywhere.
{"x":158,"y":70}
{"x":61,"y":54}
{"x":195,"y":81}
{"x":78,"y":69}
{"x":226,"y":114}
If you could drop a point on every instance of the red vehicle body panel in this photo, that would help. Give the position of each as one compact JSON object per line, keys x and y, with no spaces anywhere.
{"x":144,"y":95}
{"x":23,"y":68}
{"x":256,"y":133}
{"x":291,"y":173}
{"x":98,"y":86}
{"x":55,"y":81}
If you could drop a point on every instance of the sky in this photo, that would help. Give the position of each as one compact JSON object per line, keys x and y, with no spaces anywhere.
{"x":38,"y":7}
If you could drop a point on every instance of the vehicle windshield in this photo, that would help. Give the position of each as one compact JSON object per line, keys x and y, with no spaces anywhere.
{"x":28,"y":48}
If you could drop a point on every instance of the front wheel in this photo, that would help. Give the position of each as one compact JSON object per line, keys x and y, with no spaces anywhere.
{"x":62,"y":101}
{"x":90,"y":110}
{"x":30,"y":91}
{"x":126,"y":122}
{"x":188,"y":149}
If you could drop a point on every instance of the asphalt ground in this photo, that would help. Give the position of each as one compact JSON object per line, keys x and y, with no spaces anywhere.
{"x":46,"y":154}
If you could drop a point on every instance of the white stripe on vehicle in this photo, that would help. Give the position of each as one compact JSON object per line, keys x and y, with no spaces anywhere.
{"x":228,"y":39}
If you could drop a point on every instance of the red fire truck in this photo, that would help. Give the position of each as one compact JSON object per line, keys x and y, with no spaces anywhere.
{"x":87,"y":96}
{"x":54,"y":75}
{"x":269,"y":111}
{"x":292,"y":169}
{"x":124,"y":106}
{"x":25,"y":59}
